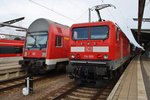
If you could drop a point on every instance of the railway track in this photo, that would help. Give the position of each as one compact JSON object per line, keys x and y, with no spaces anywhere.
{"x":15,"y":82}
{"x":8,"y":84}
{"x":81,"y":92}
{"x":12,"y":83}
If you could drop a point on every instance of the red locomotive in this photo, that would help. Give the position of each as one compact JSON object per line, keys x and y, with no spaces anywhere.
{"x":97,"y":50}
{"x":10,"y":47}
{"x":46,"y":46}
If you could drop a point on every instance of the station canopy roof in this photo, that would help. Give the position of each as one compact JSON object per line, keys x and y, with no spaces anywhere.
{"x":144,"y":35}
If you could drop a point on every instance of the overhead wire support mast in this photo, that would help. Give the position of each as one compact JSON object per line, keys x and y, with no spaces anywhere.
{"x":141,"y":6}
{"x":5,"y":24}
{"x":97,"y":8}
{"x":12,"y":21}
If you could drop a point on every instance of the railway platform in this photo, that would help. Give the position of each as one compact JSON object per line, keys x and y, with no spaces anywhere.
{"x":9,"y":63}
{"x":10,"y":69}
{"x":134,"y":84}
{"x":5,"y":60}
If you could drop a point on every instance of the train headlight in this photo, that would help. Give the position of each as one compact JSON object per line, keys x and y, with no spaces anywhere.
{"x":105,"y":56}
{"x":25,"y":53}
{"x":73,"y":56}
{"x":43,"y":54}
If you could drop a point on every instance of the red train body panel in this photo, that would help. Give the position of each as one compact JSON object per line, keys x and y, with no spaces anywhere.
{"x":96,"y":49}
{"x":11,"y":48}
{"x":47,"y":45}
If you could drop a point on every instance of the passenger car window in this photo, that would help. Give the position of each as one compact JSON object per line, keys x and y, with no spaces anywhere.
{"x":58,"y":41}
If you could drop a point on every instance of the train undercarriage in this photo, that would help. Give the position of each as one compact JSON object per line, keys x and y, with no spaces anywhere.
{"x":38,"y":66}
{"x":33,"y":65}
{"x":91,"y":72}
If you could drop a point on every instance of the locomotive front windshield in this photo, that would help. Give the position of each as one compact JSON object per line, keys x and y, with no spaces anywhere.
{"x":37,"y":40}
{"x":93,"y":33}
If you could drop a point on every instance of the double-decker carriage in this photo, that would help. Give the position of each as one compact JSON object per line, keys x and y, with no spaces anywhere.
{"x":46,"y":46}
{"x":11,"y":47}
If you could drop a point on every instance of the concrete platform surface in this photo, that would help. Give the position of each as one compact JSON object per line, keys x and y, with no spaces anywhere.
{"x":131,"y":84}
{"x":9,"y":68}
{"x":6,"y":60}
{"x":9,"y":62}
{"x":146,"y":74}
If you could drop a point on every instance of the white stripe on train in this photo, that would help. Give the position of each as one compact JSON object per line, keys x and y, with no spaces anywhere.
{"x":54,"y":61}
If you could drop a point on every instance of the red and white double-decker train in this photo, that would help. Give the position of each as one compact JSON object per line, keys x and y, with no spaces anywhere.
{"x":97,"y":50}
{"x":11,"y":47}
{"x":46,"y":46}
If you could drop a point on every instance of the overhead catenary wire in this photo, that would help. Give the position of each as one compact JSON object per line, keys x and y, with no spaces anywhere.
{"x":128,"y":30}
{"x":121,"y":14}
{"x":114,"y":17}
{"x":60,"y":14}
{"x":79,"y":7}
{"x":82,"y":14}
{"x":75,"y":5}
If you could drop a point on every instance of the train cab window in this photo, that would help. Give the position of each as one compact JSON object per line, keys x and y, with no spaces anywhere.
{"x":58,"y":41}
{"x":99,"y":32}
{"x":96,"y":32}
{"x":80,"y":33}
{"x":37,"y":40}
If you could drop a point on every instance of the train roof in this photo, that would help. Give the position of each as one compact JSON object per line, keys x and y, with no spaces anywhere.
{"x":42,"y":24}
{"x":95,"y":24}
{"x":92,"y":24}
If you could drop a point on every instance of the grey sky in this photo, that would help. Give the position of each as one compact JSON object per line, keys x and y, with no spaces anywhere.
{"x":76,"y":10}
